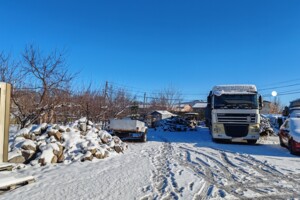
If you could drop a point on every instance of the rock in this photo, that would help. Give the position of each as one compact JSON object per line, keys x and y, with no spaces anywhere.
{"x":36,"y":130}
{"x":44,"y":126}
{"x":111,"y":144}
{"x":29,"y":145}
{"x":54,"y":159}
{"x":58,"y":149}
{"x":121,"y":147}
{"x":27,"y":154}
{"x":83,"y":120}
{"x":89,"y":127}
{"x":56,"y":134}
{"x":68,"y":130}
{"x":105,"y":137}
{"x":44,"y":162}
{"x":23,"y":131}
{"x":52,"y":139}
{"x":61,"y":158}
{"x":93,"y":150}
{"x":100,"y":154}
{"x":17,"y":159}
{"x":118,"y":148}
{"x":83,"y":127}
{"x":97,"y":126}
{"x":117,"y":140}
{"x":124,"y":145}
{"x":62,"y":129}
{"x":55,"y":126}
{"x":88,"y":156}
{"x":29,"y":136}
{"x":47,"y":155}
{"x":34,"y":162}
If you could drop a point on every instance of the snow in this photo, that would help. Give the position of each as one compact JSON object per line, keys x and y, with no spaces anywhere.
{"x":164,"y":112}
{"x":200,"y":105}
{"x":83,"y":120}
{"x":28,"y":143}
{"x":234,"y":89}
{"x":47,"y":154}
{"x":172,"y":165}
{"x":7,"y":180}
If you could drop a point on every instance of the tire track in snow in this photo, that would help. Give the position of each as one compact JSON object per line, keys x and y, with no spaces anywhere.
{"x":264,"y":185}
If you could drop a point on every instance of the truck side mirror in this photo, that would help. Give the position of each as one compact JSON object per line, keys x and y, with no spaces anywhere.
{"x":260,"y":102}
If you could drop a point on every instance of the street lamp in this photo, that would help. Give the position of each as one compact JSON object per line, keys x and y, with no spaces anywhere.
{"x":274,"y":94}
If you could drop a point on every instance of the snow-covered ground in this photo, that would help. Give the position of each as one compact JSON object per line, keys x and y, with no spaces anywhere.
{"x":172,"y":165}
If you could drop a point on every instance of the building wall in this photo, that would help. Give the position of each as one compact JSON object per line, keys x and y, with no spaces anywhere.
{"x":266,"y":108}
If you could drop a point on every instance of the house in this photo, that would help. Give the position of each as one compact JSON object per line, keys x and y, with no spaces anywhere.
{"x":266,"y":109}
{"x":161,"y":114}
{"x":183,"y":108}
{"x":199,"y":107}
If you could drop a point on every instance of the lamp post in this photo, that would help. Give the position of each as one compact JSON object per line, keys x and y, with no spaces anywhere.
{"x":274,"y":94}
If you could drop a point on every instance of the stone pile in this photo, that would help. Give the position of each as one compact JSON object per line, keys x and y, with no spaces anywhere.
{"x":51,"y":143}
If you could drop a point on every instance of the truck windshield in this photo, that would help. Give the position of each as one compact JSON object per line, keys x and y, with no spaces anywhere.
{"x":243,"y":101}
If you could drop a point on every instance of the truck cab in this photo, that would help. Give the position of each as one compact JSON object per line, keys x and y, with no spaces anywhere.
{"x":232,"y":113}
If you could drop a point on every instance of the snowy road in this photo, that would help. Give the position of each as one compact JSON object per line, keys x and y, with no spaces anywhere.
{"x":186,"y":165}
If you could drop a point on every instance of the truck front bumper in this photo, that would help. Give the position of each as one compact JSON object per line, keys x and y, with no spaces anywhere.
{"x":236,"y":132}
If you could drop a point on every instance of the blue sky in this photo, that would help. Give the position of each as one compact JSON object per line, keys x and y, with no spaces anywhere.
{"x":146,"y":45}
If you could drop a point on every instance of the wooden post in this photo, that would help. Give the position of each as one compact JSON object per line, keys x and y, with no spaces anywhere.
{"x":5,"y":91}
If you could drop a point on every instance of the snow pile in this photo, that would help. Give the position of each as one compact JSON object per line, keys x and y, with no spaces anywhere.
{"x":46,"y":143}
{"x":265,"y":127}
{"x":176,"y":124}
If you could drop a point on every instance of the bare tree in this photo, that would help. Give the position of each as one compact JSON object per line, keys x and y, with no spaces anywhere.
{"x":276,"y":107}
{"x":46,"y":81}
{"x":90,"y":102}
{"x":9,"y":70}
{"x":167,"y":98}
{"x":118,"y":102}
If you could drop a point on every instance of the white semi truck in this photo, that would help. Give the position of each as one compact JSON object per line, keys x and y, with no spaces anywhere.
{"x":232,"y":113}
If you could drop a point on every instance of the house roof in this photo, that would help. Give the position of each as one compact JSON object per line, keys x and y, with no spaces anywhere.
{"x":164,"y":112}
{"x":200,"y":105}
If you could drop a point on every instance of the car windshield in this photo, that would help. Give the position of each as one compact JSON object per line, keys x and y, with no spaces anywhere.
{"x":295,"y":123}
{"x":242,"y":101}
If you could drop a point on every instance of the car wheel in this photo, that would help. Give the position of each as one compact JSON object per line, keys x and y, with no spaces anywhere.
{"x":292,"y":151}
{"x":281,"y":142}
{"x":251,"y":141}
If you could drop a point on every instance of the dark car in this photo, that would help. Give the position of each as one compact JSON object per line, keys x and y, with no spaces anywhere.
{"x":289,"y":135}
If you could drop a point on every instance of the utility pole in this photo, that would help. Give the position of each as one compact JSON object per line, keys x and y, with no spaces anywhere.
{"x":105,"y":104}
{"x":105,"y":91}
{"x":144,"y":101}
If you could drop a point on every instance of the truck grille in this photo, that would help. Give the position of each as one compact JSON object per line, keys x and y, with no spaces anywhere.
{"x":235,"y":118}
{"x":236,"y":130}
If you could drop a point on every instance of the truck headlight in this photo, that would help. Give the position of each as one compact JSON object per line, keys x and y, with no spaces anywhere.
{"x":254,"y":128}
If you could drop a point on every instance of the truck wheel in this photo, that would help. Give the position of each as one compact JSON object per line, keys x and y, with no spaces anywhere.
{"x":217,"y":140}
{"x":144,"y":137}
{"x":251,"y":141}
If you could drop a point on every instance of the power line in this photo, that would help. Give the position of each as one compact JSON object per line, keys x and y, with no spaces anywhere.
{"x":142,"y":91}
{"x":282,"y":82}
{"x":285,"y":86}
